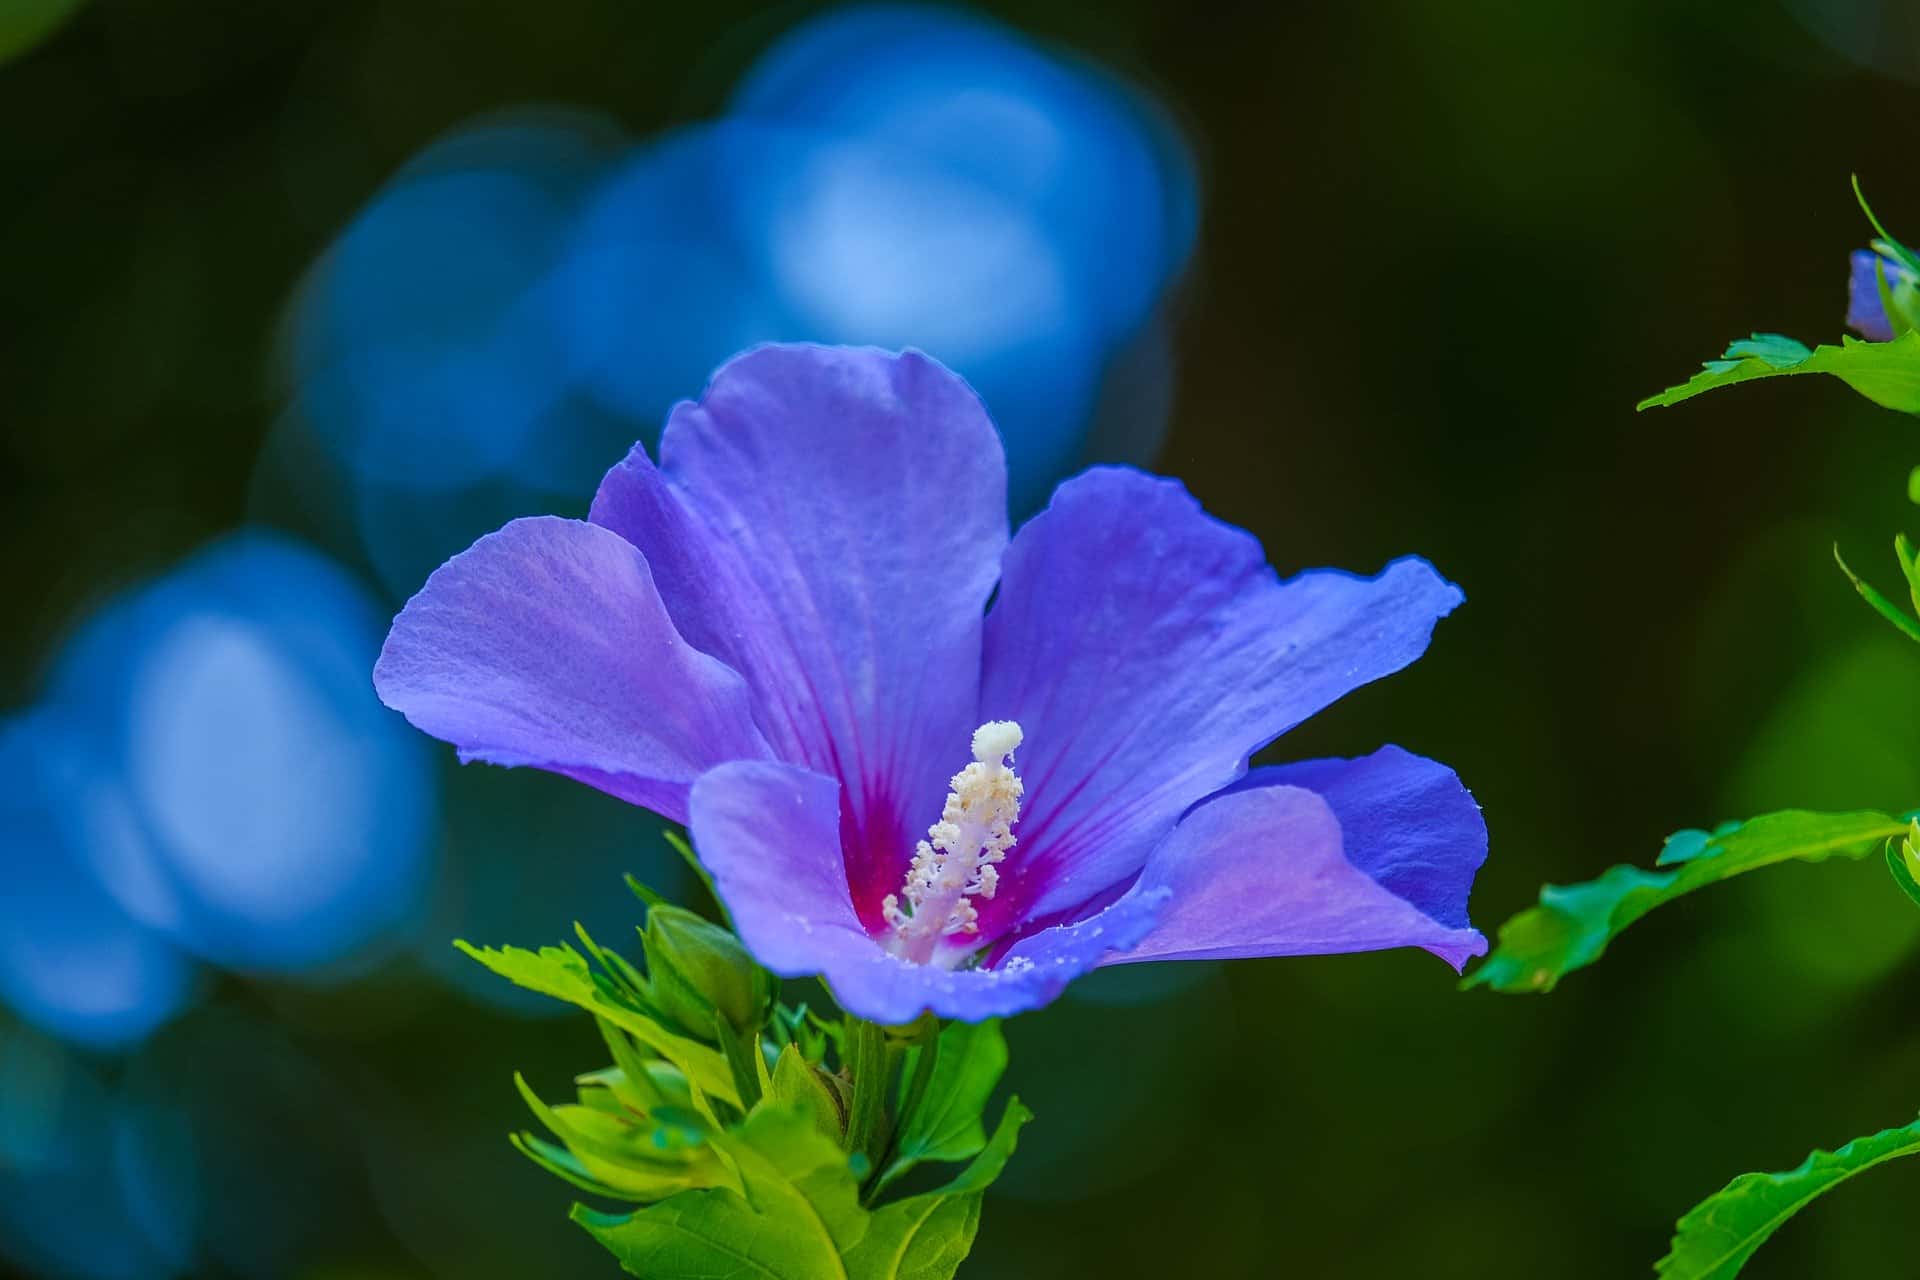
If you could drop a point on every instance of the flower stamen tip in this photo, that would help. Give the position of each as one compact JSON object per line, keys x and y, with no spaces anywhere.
{"x":995,"y":740}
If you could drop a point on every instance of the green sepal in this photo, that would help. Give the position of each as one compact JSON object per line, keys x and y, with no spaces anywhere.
{"x":682,"y":846}
{"x":1572,"y":925}
{"x":1886,"y":246}
{"x":1909,"y":568}
{"x":869,"y":1061}
{"x":1717,"y":1237}
{"x":641,"y":1158}
{"x":740,"y":1062}
{"x":1887,"y":373}
{"x":1902,"y":621}
{"x":795,"y":1080}
{"x":1903,"y":862}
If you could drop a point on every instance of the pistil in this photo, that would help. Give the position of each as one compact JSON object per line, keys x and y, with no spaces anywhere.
{"x":958,"y":861}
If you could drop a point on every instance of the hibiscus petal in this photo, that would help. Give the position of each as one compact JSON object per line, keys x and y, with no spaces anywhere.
{"x":1147,"y":650}
{"x":1261,"y":871}
{"x":769,"y":835}
{"x":1404,"y":820}
{"x":545,"y":644}
{"x":829,"y":522}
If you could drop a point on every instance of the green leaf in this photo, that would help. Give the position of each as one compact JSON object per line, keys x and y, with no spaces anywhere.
{"x":1573,"y":924}
{"x":1887,"y":373}
{"x":1886,"y":608}
{"x":25,"y":23}
{"x":636,"y":1158}
{"x":796,"y":1213}
{"x":941,"y":1119}
{"x":797,"y":1216}
{"x":561,"y":972}
{"x":1903,"y":862}
{"x":926,"y":1237}
{"x":1721,"y":1233}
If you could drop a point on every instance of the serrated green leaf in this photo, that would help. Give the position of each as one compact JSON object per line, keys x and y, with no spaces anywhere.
{"x":1886,"y":608}
{"x":796,"y":1214}
{"x":1887,"y":373}
{"x":562,"y":972}
{"x":926,"y":1237}
{"x":1573,"y":924}
{"x":1719,"y":1235}
{"x":941,"y":1119}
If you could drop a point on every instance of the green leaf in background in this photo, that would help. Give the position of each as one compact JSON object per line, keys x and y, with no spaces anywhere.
{"x":1719,"y":1234}
{"x":1887,"y":373}
{"x":1573,"y":924}
{"x":797,"y":1215}
{"x":951,"y":1080}
{"x":1909,"y":567}
{"x":1903,"y":862}
{"x":1886,"y":608}
{"x":25,"y":23}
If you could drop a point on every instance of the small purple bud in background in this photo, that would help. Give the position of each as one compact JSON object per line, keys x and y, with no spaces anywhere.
{"x":1865,"y":313}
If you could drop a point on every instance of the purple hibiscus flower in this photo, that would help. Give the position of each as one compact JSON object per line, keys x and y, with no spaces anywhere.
{"x":1866,"y":315}
{"x":780,"y":635}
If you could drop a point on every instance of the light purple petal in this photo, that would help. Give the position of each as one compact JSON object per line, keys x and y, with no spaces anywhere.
{"x":829,"y":522}
{"x":545,"y":644}
{"x":1147,"y":650}
{"x":1404,"y":820}
{"x":1260,"y":872}
{"x":769,"y":835}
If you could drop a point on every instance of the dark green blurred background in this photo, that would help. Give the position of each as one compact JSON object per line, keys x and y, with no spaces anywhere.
{"x":1447,"y":244}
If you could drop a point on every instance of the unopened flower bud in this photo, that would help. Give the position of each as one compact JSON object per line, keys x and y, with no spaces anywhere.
{"x":696,"y":969}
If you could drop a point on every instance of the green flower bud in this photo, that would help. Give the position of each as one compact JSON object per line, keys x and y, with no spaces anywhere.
{"x":824,"y":1096}
{"x":697,"y":969}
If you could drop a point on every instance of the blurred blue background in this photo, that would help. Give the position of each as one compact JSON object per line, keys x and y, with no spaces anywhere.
{"x":307,"y":297}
